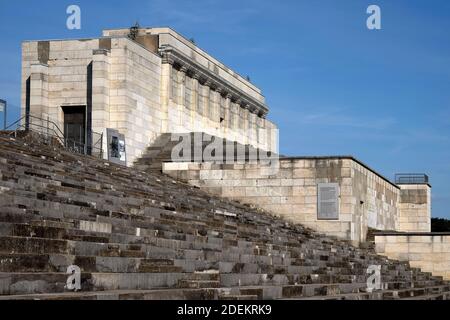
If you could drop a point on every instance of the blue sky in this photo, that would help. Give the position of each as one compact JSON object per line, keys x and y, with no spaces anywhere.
{"x":334,"y":87}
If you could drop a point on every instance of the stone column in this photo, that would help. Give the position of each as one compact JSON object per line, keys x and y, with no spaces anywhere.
{"x":39,"y":98}
{"x":261,"y":132}
{"x":252,"y":126}
{"x":208,"y":102}
{"x":182,"y":83}
{"x":240,"y":122}
{"x":195,"y":91}
{"x":247,"y":124}
{"x":227,"y":122}
{"x":166,"y":71}
{"x":173,"y":116}
{"x":182,"y":108}
{"x":100,"y":92}
{"x":234,"y":116}
{"x":194,"y":96}
{"x":219,"y":110}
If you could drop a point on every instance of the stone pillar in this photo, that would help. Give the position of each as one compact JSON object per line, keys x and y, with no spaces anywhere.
{"x":100,"y":92}
{"x":39,"y":98}
{"x":227,"y":122}
{"x":195,"y":91}
{"x":201,"y":102}
{"x":234,"y":116}
{"x":182,"y":83}
{"x":414,"y":208}
{"x":253,"y":129}
{"x":240,"y":122}
{"x":247,"y":124}
{"x":166,"y":71}
{"x":260,"y":135}
{"x":208,"y":102}
{"x":219,"y":112}
{"x":195,"y":86}
{"x":183,"y":120}
{"x":173,"y":104}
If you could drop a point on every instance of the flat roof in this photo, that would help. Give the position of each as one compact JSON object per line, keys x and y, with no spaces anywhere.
{"x":194,"y":46}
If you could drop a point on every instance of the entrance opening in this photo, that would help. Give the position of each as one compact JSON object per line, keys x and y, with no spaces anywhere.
{"x":75,"y":127}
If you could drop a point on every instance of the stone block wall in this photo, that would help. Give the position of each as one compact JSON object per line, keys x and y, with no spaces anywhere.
{"x":375,"y":200}
{"x":415,"y":208}
{"x":116,"y":78}
{"x":56,"y":75}
{"x":430,"y":252}
{"x":365,"y":198}
{"x":135,"y":95}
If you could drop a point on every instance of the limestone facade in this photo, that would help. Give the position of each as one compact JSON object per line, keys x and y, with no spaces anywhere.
{"x":415,"y":208}
{"x":156,"y":83}
{"x":430,"y":252}
{"x":365,"y":198}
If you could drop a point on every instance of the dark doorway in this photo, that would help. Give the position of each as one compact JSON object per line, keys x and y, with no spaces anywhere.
{"x":75,"y":127}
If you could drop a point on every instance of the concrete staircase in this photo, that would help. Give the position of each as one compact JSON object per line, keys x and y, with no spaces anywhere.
{"x":142,"y":235}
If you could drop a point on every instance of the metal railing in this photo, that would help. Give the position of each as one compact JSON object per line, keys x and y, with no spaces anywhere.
{"x":411,"y":178}
{"x":49,"y":129}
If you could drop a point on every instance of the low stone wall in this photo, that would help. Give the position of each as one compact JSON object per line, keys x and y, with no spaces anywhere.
{"x":365,"y":199}
{"x":428,"y":251}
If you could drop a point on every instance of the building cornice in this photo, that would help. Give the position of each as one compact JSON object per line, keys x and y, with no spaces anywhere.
{"x":173,"y":56}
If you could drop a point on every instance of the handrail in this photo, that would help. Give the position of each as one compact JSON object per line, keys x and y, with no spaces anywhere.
{"x":15,"y":122}
{"x":411,"y":178}
{"x":52,"y":129}
{"x":37,"y":118}
{"x":61,"y":139}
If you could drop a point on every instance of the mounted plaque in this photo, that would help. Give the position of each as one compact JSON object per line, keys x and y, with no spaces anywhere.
{"x":328,"y":201}
{"x":116,"y":147}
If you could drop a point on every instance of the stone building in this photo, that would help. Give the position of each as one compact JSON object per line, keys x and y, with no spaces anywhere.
{"x":144,"y":83}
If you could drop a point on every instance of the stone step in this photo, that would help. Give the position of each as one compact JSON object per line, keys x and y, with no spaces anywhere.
{"x":42,"y":245}
{"x":238,"y":297}
{"x":30,"y":283}
{"x":60,"y":262}
{"x":77,"y":235}
{"x":198,"y":284}
{"x":59,"y":233}
{"x":415,"y":292}
{"x":161,"y":294}
{"x":438,"y":296}
{"x":143,"y":235}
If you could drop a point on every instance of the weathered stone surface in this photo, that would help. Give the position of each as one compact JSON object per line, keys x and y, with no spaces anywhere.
{"x":365,"y":199}
{"x":144,"y":235}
